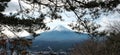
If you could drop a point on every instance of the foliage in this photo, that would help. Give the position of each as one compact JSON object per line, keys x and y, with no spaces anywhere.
{"x":30,"y":25}
{"x":18,"y":45}
{"x":86,"y":11}
{"x":81,"y":8}
{"x":110,"y":45}
{"x":113,"y":41}
{"x":89,"y":47}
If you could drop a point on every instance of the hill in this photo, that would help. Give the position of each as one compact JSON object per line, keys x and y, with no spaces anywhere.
{"x":58,"y":38}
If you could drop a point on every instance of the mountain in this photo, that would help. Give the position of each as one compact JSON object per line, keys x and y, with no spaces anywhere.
{"x":60,"y":28}
{"x":60,"y":33}
{"x":58,"y":38}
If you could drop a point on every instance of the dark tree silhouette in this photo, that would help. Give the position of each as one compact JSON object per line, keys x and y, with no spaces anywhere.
{"x":81,"y":8}
{"x":17,"y":44}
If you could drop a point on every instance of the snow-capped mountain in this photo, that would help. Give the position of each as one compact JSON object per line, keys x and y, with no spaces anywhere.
{"x":60,"y":28}
{"x":60,"y":33}
{"x":58,"y":38}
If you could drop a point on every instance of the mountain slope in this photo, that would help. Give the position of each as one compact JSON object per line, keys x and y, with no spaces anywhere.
{"x":58,"y":38}
{"x":60,"y":33}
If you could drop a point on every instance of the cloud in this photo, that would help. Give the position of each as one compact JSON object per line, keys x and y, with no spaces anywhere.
{"x":13,"y":6}
{"x":104,"y":21}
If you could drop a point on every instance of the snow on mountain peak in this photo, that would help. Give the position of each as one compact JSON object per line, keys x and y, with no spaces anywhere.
{"x":61,"y":28}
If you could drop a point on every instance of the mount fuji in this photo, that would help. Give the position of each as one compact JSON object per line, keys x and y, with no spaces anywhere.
{"x":58,"y":38}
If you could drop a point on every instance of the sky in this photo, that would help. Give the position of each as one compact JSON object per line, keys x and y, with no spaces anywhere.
{"x":69,"y":17}
{"x":13,"y":6}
